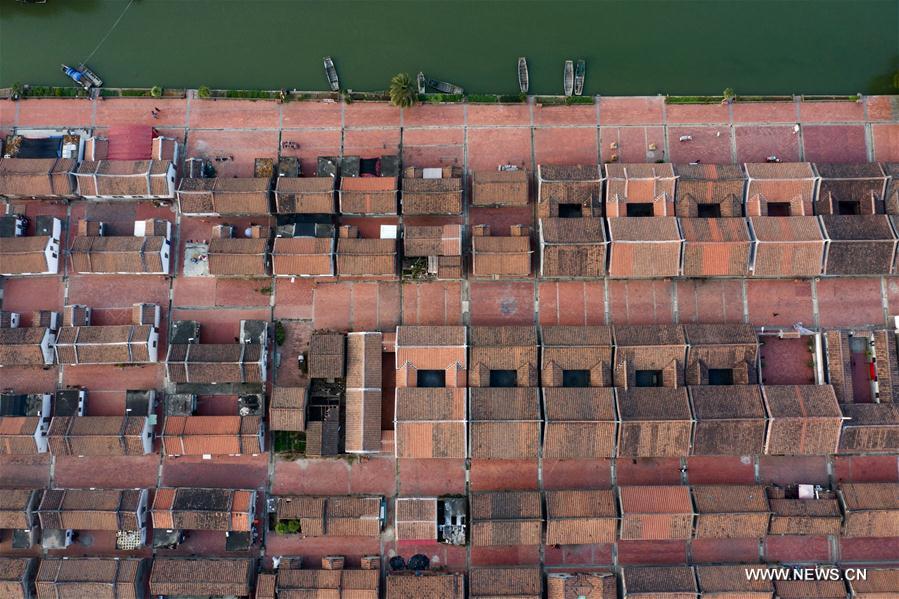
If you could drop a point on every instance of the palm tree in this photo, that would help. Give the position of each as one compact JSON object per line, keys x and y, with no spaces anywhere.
{"x":402,"y":90}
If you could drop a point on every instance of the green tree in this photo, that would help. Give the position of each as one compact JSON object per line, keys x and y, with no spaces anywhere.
{"x":729,"y":94}
{"x":156,"y":91}
{"x":203,"y":92}
{"x":402,"y":90}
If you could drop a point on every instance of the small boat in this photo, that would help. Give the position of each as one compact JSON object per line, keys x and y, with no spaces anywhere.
{"x":421,"y":82}
{"x":331,"y":74}
{"x":580,"y":70}
{"x":83,"y":76}
{"x":523,"y":74}
{"x":445,"y":88}
{"x":568,"y":78}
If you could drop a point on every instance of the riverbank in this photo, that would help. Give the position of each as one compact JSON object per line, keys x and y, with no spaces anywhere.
{"x":485,"y":135}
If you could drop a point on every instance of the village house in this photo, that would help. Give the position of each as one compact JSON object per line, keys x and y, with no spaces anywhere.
{"x":857,"y":188}
{"x":357,"y":256}
{"x":31,"y":346}
{"x":432,"y":190}
{"x":231,"y":511}
{"x":368,"y":195}
{"x":224,"y":196}
{"x":213,"y":435}
{"x":501,"y":188}
{"x":115,"y":344}
{"x":731,"y":511}
{"x":287,"y":409}
{"x":437,"y":585}
{"x":343,"y":582}
{"x":870,"y":428}
{"x":43,"y":178}
{"x":853,"y":356}
{"x":655,"y":422}
{"x":416,"y":519}
{"x":576,"y":356}
{"x":731,"y":582}
{"x":37,"y":254}
{"x":573,"y":247}
{"x":859,"y":245}
{"x":126,"y":179}
{"x":581,"y":517}
{"x":431,"y":356}
{"x":891,"y":196}
{"x":732,"y":422}
{"x":792,"y":246}
{"x":63,"y":511}
{"x":655,"y":513}
{"x":581,"y":423}
{"x":363,"y":392}
{"x":649,"y":356}
{"x":431,"y":422}
{"x":780,"y":188}
{"x":504,"y":423}
{"x":521,"y":582}
{"x":569,"y":191}
{"x":872,"y":509}
{"x":85,"y":576}
{"x":506,"y":518}
{"x":441,"y":245}
{"x":644,"y":247}
{"x":805,"y":419}
{"x":305,"y":195}
{"x":658,"y":582}
{"x":334,"y":516}
{"x":238,"y":257}
{"x":716,"y":247}
{"x":182,"y":576}
{"x":878,"y":583}
{"x":327,"y":355}
{"x":210,"y":363}
{"x":709,"y":190}
{"x":501,"y":256}
{"x":503,"y":356}
{"x":17,"y":576}
{"x":100,"y":435}
{"x":792,"y":513}
{"x":147,"y":252}
{"x":639,"y":189}
{"x":18,"y":516}
{"x":721,"y":354}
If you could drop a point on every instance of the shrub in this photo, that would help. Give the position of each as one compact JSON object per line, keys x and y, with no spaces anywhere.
{"x":203,"y":92}
{"x":156,"y":91}
{"x":280,"y":333}
{"x":287,"y":527}
{"x":729,"y":94}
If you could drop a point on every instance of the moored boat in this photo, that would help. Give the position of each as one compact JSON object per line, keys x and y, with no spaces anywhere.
{"x":580,"y":71}
{"x":421,"y":82}
{"x":523,"y":82}
{"x":445,"y":88}
{"x":83,"y":76}
{"x":568,"y":78}
{"x":331,"y":74}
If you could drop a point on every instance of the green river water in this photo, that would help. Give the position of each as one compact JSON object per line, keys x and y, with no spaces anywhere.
{"x":632,"y":47}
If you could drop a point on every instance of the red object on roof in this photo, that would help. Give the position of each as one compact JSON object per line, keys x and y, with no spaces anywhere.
{"x":130,"y":142}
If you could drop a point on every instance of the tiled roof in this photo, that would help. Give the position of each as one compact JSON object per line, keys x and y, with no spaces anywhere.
{"x":24,"y":255}
{"x":780,"y":182}
{"x":879,"y":580}
{"x":518,"y":582}
{"x":501,"y":256}
{"x":430,"y":404}
{"x":581,"y":517}
{"x":577,"y":336}
{"x":810,"y":589}
{"x":214,"y":363}
{"x":15,"y":577}
{"x":305,"y":195}
{"x":97,"y":435}
{"x":871,"y":428}
{"x":238,"y":256}
{"x":644,"y":335}
{"x":572,"y":247}
{"x":101,"y":578}
{"x":287,"y":409}
{"x":505,"y":505}
{"x":192,"y":508}
{"x":117,"y":254}
{"x":17,"y":435}
{"x":819,"y":516}
{"x":429,"y":584}
{"x":14,"y":506}
{"x":656,"y":581}
{"x":503,"y":188}
{"x":327,"y":355}
{"x":216,"y":435}
{"x":91,"y":509}
{"x":322,"y":584}
{"x":363,"y":392}
{"x":111,"y":178}
{"x":644,"y":247}
{"x":780,"y":170}
{"x":432,"y":196}
{"x":720,"y":334}
{"x":430,"y":336}
{"x":416,"y":518}
{"x":716,"y":246}
{"x":787,"y":246}
{"x":310,"y":256}
{"x":224,"y":195}
{"x":805,"y":419}
{"x":872,"y":509}
{"x":570,"y":172}
{"x":731,"y":423}
{"x":437,"y":240}
{"x":580,"y":423}
{"x":502,"y":336}
{"x":22,"y":346}
{"x":116,"y":344}
{"x":639,"y":182}
{"x":655,"y":421}
{"x":731,"y":511}
{"x":863,"y":182}
{"x":190,"y":576}
{"x":36,"y":177}
{"x":732,"y":579}
{"x":721,"y":184}
{"x":859,"y":244}
{"x":577,"y":348}
{"x":368,"y":195}
{"x":505,"y":422}
{"x":572,"y":231}
{"x":581,"y":585}
{"x":366,"y":256}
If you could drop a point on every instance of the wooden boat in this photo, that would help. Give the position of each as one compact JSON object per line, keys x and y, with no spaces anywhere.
{"x":83,"y":76}
{"x":421,"y":82}
{"x":568,"y":78}
{"x":523,"y":74}
{"x":445,"y":88}
{"x":580,"y":70}
{"x":331,"y":74}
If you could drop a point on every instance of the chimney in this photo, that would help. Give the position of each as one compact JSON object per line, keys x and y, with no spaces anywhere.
{"x":371,"y":562}
{"x":480,"y":231}
{"x":223,"y":231}
{"x":349,"y":231}
{"x":519,"y":230}
{"x":332,"y":562}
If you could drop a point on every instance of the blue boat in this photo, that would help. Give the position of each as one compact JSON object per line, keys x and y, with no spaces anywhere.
{"x":83,"y":76}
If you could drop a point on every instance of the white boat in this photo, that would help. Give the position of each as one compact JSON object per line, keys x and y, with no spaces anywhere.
{"x":580,"y":71}
{"x":422,"y":82}
{"x":331,"y":74}
{"x":523,"y":83}
{"x":568,"y":78}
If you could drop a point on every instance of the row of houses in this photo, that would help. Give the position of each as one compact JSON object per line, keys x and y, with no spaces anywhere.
{"x":612,"y":189}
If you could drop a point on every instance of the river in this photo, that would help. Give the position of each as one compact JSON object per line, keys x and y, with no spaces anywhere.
{"x":632,"y":47}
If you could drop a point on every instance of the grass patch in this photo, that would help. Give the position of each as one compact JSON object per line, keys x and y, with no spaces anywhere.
{"x":40,"y":91}
{"x":251,"y":94}
{"x":579,"y":100}
{"x":289,"y":442}
{"x":442,"y":98}
{"x":693,"y":99}
{"x":483,"y":99}
{"x":135,"y":93}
